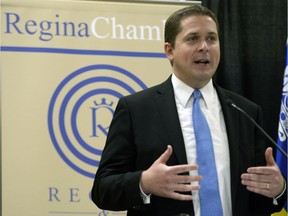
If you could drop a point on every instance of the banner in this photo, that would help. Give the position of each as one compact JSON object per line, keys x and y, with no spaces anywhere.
{"x":64,"y":66}
{"x":282,"y":140}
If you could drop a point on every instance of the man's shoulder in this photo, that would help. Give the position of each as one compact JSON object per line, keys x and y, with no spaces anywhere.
{"x":150,"y":91}
{"x":237,"y":98}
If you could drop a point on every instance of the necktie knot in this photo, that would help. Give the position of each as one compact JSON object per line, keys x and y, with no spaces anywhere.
{"x":197,"y":94}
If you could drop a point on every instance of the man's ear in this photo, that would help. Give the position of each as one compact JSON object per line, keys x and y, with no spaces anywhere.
{"x":168,"y":51}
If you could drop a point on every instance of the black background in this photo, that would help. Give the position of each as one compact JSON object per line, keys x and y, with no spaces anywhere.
{"x":253,"y":36}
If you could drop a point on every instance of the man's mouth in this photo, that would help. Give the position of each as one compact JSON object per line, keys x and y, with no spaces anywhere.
{"x":202,"y":61}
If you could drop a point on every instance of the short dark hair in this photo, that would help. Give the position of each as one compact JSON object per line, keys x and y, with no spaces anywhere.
{"x":173,"y":23}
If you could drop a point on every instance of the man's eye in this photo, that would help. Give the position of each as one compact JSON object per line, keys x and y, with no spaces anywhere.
{"x":212,"y":38}
{"x":192,"y":38}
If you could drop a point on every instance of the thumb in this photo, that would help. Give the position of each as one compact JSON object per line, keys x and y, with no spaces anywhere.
{"x":166,"y":155}
{"x":269,"y":157}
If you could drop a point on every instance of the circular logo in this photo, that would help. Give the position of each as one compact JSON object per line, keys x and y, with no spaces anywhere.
{"x":80,"y":112}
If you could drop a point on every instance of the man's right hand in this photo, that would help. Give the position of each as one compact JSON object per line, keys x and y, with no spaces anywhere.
{"x":165,"y":181}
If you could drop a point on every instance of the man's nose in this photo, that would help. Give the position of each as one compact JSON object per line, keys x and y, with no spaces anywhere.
{"x":203,"y":45}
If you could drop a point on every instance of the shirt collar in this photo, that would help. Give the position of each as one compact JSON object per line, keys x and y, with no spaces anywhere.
{"x":183,"y":92}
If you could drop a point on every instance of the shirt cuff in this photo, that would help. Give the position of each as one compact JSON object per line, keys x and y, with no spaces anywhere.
{"x":145,"y":197}
{"x":275,"y":202}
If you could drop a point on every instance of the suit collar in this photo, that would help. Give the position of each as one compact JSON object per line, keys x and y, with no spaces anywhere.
{"x":183,"y":93}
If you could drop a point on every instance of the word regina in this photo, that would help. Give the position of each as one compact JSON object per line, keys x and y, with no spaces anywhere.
{"x":100,"y":28}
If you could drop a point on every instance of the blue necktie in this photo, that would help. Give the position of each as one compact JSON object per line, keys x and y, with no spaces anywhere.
{"x":210,"y":202}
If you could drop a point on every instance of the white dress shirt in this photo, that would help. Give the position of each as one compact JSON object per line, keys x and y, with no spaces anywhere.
{"x":211,"y":107}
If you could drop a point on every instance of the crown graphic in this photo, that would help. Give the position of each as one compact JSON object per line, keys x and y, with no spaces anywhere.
{"x":103,"y":103}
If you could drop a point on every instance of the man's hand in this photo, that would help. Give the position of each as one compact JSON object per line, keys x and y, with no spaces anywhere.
{"x":165,"y":181}
{"x":267,"y":180}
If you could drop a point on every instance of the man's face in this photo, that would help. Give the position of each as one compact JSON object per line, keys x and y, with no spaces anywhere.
{"x":196,"y":53}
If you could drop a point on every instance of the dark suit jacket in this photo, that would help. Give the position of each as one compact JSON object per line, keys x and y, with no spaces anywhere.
{"x":144,"y":124}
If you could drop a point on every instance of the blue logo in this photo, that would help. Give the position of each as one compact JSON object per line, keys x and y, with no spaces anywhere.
{"x":80,"y":112}
{"x":283,"y":121}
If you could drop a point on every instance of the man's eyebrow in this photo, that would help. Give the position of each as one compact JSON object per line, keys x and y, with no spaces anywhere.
{"x":193,"y":34}
{"x":197,"y":33}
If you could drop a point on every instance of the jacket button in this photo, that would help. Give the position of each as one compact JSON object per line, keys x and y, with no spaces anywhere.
{"x":136,"y":207}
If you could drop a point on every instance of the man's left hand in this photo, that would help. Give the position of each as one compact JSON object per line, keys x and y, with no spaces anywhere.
{"x":265,"y":180}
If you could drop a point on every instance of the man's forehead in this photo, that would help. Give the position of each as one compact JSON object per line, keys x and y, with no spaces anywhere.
{"x":199,"y":21}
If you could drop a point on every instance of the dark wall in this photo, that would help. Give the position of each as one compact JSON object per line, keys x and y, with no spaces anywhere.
{"x":253,"y":47}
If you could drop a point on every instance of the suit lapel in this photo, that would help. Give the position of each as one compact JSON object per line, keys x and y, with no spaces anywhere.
{"x":165,"y":101}
{"x":231,"y":122}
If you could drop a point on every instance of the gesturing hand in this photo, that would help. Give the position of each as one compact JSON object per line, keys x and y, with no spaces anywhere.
{"x":165,"y":181}
{"x":266,"y":180}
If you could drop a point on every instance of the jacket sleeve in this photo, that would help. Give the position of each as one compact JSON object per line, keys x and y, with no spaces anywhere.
{"x":116,"y":184}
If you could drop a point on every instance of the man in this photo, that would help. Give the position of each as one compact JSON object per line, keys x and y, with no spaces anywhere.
{"x":149,"y":165}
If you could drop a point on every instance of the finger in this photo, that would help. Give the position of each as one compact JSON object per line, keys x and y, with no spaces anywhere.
{"x":166,"y":155}
{"x":179,"y":196}
{"x":269,"y":157}
{"x":186,"y":179}
{"x":270,"y":162}
{"x":256,"y":170}
{"x":179,"y":169}
{"x":185,"y":187}
{"x":255,"y":177}
{"x":261,"y":170}
{"x":256,"y":184}
{"x":263,"y":192}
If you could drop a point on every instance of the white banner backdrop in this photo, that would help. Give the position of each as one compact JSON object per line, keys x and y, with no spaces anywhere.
{"x":64,"y":66}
